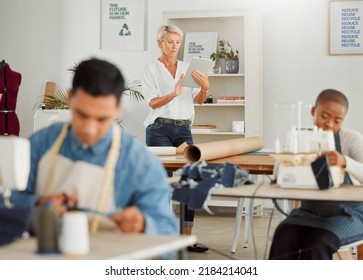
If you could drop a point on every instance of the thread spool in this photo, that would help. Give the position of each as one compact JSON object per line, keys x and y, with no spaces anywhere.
{"x":48,"y":229}
{"x":74,"y":233}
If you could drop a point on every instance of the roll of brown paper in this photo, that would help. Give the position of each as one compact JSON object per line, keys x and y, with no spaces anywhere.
{"x":162,"y":150}
{"x":50,"y":88}
{"x":220,"y":149}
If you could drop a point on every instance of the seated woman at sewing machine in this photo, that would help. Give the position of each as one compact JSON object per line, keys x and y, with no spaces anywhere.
{"x":318,"y":229}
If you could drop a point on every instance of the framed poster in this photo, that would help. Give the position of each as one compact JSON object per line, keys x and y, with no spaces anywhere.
{"x":123,"y":25}
{"x":346,"y":27}
{"x":199,"y":44}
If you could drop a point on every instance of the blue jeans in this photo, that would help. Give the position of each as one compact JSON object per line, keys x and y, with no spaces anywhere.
{"x":164,"y":134}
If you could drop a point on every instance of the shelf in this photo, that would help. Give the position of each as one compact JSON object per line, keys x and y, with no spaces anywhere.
{"x":219,"y":133}
{"x":243,"y":29}
{"x":219,"y":105}
{"x":226,"y":75}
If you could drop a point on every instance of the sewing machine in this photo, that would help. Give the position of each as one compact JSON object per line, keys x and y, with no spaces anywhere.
{"x":15,"y":204}
{"x":302,"y":147}
{"x":14,"y":166}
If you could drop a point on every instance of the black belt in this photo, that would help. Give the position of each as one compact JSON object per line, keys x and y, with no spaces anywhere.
{"x":173,"y":122}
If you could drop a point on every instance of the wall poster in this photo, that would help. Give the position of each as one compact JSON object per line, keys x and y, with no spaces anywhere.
{"x":123,"y":25}
{"x":346,"y":27}
{"x":199,"y":44}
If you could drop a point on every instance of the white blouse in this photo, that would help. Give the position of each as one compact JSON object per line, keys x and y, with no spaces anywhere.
{"x":352,"y":149}
{"x":157,"y":82}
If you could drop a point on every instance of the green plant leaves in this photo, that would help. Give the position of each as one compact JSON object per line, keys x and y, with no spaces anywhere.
{"x":133,"y":89}
{"x":60,"y":98}
{"x":225,"y":51}
{"x":57,"y":101}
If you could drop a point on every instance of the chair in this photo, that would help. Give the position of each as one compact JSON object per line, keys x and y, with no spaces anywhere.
{"x":248,"y":222}
{"x":344,"y":251}
{"x":244,"y":207}
{"x":285,"y":205}
{"x":248,"y":205}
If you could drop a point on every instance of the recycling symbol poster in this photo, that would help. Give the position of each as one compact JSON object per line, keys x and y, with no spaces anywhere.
{"x":123,"y":25}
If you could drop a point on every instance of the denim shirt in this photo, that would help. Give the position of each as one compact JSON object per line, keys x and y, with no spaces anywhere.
{"x":140,"y":178}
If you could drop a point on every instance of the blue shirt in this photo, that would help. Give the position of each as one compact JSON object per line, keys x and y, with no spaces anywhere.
{"x":140,"y":178}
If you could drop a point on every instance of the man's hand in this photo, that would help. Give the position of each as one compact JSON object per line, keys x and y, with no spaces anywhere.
{"x":61,"y":202}
{"x":335,"y":158}
{"x":130,"y":220}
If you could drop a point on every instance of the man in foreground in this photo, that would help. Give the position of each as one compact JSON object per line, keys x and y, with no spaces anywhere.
{"x":93,"y":164}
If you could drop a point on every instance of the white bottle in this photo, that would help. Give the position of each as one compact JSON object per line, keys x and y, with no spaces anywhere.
{"x":292,"y":141}
{"x":74,"y":234}
{"x":277,"y":146}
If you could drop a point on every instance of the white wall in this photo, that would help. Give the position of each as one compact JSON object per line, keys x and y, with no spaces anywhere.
{"x":42,"y":38}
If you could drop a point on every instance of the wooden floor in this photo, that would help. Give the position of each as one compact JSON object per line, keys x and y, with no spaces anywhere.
{"x":216,"y":232}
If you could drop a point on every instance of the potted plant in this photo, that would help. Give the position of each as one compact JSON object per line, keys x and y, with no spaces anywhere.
{"x":59,"y":100}
{"x":226,"y":52}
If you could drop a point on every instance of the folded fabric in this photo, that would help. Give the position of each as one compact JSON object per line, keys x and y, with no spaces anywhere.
{"x":12,"y":224}
{"x":322,"y":173}
{"x":198,"y":179}
{"x":13,"y":219}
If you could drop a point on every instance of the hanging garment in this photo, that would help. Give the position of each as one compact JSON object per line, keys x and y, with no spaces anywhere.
{"x":9,"y":87}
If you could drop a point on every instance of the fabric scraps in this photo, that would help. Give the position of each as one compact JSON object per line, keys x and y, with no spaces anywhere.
{"x":198,"y":179}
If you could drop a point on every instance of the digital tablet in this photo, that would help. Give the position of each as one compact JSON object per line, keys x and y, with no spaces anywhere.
{"x":201,"y":64}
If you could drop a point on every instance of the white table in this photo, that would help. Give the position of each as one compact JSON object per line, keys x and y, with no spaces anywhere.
{"x":346,"y":193}
{"x":105,"y":245}
{"x":343,"y":193}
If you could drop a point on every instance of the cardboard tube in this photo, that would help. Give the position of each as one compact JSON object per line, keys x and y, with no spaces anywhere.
{"x":162,"y":150}
{"x":49,"y":91}
{"x":220,"y":149}
{"x":50,"y":88}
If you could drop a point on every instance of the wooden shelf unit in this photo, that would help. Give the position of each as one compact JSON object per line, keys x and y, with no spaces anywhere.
{"x":243,"y":29}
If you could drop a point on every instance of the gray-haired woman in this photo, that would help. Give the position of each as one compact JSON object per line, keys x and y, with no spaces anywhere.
{"x":171,"y":105}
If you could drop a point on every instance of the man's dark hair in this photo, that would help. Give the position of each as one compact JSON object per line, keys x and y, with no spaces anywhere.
{"x":98,"y":78}
{"x":332,"y":95}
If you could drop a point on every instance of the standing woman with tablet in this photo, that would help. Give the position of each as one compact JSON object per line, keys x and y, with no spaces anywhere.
{"x":171,"y":105}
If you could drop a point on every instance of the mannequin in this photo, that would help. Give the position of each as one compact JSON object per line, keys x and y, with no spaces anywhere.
{"x":9,"y":87}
